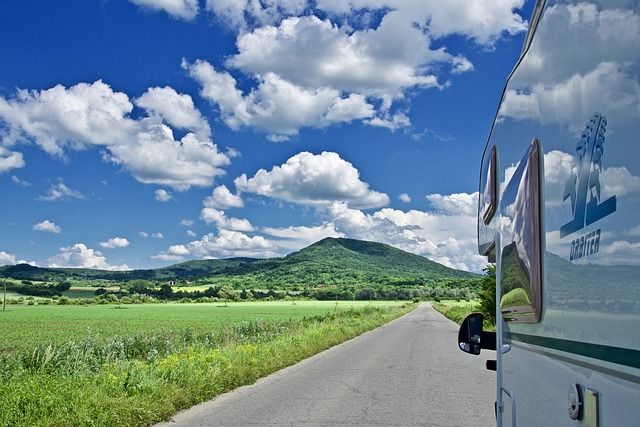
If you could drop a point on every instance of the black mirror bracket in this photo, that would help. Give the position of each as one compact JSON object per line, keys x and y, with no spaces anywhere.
{"x":471,"y":337}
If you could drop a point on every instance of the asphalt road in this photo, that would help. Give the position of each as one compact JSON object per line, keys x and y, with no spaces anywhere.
{"x":406,"y":373}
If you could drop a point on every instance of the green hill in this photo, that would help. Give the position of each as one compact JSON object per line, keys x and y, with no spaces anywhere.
{"x":348,"y":261}
{"x":327,"y":262}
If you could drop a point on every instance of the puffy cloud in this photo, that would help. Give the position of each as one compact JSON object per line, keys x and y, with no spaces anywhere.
{"x":58,"y":117}
{"x":115,"y":243}
{"x":158,"y":159}
{"x":79,"y":256}
{"x":327,"y":55}
{"x":175,"y":253}
{"x":163,"y":195}
{"x":218,"y":217}
{"x":315,"y":72}
{"x":212,"y":213}
{"x":404,"y":197}
{"x":318,"y":63}
{"x":7,"y":259}
{"x":180,"y":9}
{"x":310,"y":179}
{"x":298,"y":237}
{"x":326,"y":71}
{"x":481,"y":20}
{"x":86,"y":115}
{"x":220,"y":88}
{"x":186,"y":222}
{"x":221,"y":198}
{"x":391,"y":122}
{"x":47,"y":226}
{"x":60,"y":191}
{"x":461,"y":65}
{"x":277,"y":106}
{"x":240,"y":14}
{"x":226,"y":244}
{"x":178,"y":250}
{"x":176,"y":109}
{"x":10,"y":159}
{"x":455,"y":204}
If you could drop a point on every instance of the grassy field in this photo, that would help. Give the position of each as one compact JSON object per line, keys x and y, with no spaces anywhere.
{"x":26,"y":326}
{"x":141,"y":364}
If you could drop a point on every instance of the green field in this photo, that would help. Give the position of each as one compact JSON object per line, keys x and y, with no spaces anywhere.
{"x":103,"y":366}
{"x":24,"y":327}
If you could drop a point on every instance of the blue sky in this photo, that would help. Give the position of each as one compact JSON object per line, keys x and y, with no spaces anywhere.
{"x":142,"y":133}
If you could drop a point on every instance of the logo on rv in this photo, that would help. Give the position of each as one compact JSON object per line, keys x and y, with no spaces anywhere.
{"x":583,"y":186}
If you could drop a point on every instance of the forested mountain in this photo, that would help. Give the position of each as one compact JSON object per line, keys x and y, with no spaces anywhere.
{"x":339,"y":261}
{"x":329,"y":261}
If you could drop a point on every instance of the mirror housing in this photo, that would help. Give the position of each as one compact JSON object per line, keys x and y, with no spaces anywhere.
{"x":470,"y":333}
{"x":471,"y":337}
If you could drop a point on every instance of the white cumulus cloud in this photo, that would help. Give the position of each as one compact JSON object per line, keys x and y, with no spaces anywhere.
{"x":86,"y":115}
{"x":277,"y":106}
{"x":7,"y":259}
{"x":316,"y":64}
{"x":163,"y":195}
{"x":60,"y":191}
{"x":179,"y":9}
{"x":220,"y":219}
{"x":309,"y":179}
{"x":47,"y":226}
{"x":455,"y":204}
{"x":10,"y":159}
{"x":226,"y":244}
{"x":296,"y":237}
{"x":176,"y":109}
{"x":80,"y":256}
{"x":222,"y":198}
{"x":115,"y":243}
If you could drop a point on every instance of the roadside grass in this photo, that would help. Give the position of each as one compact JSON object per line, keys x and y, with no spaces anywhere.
{"x":138,"y":380}
{"x":456,"y":310}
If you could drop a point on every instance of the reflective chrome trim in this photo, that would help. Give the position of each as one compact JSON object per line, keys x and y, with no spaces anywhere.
{"x":521,"y":231}
{"x":533,"y":24}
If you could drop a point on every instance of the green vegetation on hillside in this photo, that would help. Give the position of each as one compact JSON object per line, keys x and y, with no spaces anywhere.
{"x":329,"y":269}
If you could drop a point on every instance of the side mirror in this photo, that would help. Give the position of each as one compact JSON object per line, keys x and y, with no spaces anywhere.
{"x":470,"y":334}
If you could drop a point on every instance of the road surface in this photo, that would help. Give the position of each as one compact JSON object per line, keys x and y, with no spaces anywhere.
{"x":406,"y":373}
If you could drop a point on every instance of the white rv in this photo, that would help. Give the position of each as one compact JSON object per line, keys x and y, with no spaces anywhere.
{"x":559,"y":214}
